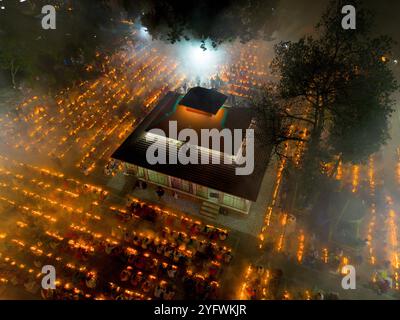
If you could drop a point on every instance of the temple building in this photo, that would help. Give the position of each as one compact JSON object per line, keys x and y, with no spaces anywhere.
{"x":217,"y":186}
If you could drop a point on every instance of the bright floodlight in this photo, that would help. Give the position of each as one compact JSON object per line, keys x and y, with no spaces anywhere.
{"x":144,"y":33}
{"x":200,"y":57}
{"x":198,"y":62}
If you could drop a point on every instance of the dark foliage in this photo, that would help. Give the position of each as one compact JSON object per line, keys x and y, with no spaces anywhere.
{"x":218,"y":21}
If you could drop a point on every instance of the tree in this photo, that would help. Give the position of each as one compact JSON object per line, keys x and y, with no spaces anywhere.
{"x":274,"y":115}
{"x":218,"y":21}
{"x":357,"y":134}
{"x":16,"y":42}
{"x":338,"y":86}
{"x":30,"y":53}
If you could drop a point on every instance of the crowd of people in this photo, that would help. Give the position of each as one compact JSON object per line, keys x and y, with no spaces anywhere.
{"x":183,"y":256}
{"x":133,"y":252}
{"x":270,"y":284}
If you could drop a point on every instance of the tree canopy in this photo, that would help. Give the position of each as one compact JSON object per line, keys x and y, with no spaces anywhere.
{"x":218,"y":21}
{"x":27,"y":51}
{"x":337,"y":84}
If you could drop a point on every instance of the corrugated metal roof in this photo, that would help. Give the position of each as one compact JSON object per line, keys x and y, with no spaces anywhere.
{"x":221,"y":177}
{"x":207,"y":100}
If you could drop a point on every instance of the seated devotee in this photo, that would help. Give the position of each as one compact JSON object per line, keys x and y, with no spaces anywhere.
{"x":91,"y":281}
{"x":136,"y":279}
{"x":169,"y":294}
{"x":159,"y":291}
{"x":125,"y":274}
